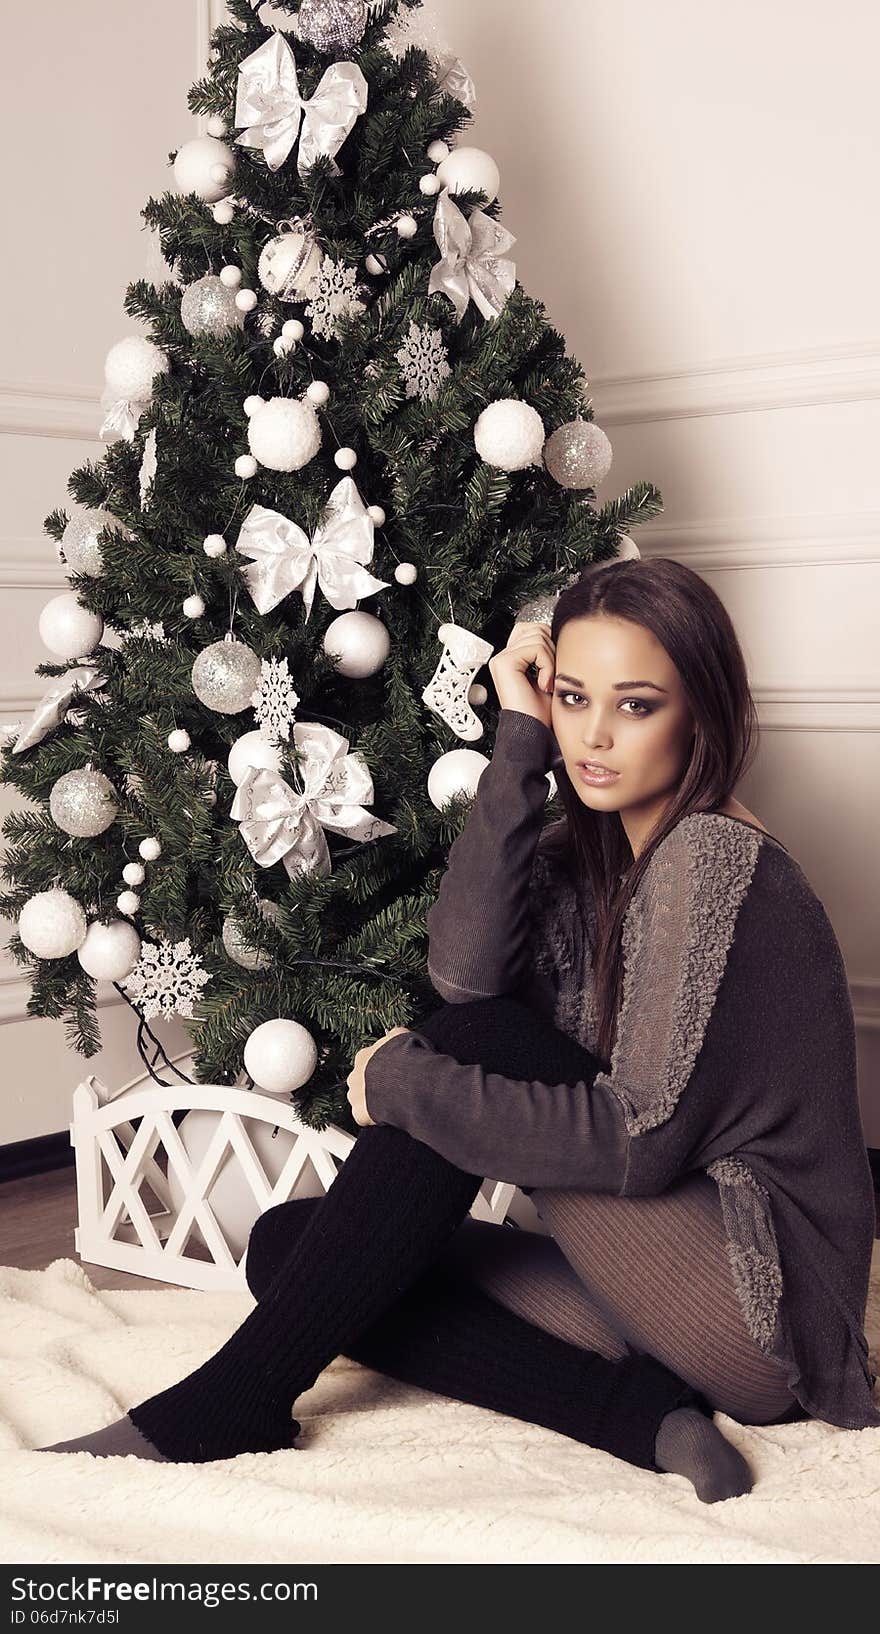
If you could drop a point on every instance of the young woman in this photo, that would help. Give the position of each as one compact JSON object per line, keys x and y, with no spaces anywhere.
{"x":647,"y":1026}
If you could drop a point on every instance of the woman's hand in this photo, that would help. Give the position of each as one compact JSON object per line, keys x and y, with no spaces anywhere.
{"x":528,"y":643}
{"x":357,"y":1096}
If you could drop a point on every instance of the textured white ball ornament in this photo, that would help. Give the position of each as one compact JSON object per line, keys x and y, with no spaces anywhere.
{"x":110,"y":952}
{"x":193,"y":607}
{"x":578,"y":454}
{"x":628,"y":550}
{"x":429,"y":185}
{"x":215,"y":545}
{"x":288,"y":264}
{"x":477,"y":695}
{"x":345,"y":458}
{"x":223,"y":213}
{"x":230,"y":1196}
{"x":284,"y":434}
{"x":83,"y":803}
{"x":52,"y":924}
{"x":195,"y":164}
{"x":225,"y":675}
{"x":128,"y":902}
{"x":230,"y":276}
{"x":207,"y":307}
{"x":134,"y":873}
{"x":246,"y":300}
{"x":216,"y":126}
{"x":252,"y":403}
{"x":407,"y":226}
{"x":80,"y":544}
{"x":318,"y":393}
{"x":179,"y":741}
{"x":376,"y":515}
{"x":246,"y":466}
{"x":406,"y":573}
{"x":281,"y":347}
{"x":509,"y":434}
{"x":150,"y":848}
{"x":358,"y":642}
{"x":437,"y":151}
{"x":69,"y":629}
{"x":457,"y":772}
{"x":252,"y":749}
{"x":467,"y":170}
{"x":280,"y":1056}
{"x":236,"y":945}
{"x":292,"y":329}
{"x":131,"y":366}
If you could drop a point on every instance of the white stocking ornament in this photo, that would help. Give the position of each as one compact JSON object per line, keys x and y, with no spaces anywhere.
{"x":447,"y":691}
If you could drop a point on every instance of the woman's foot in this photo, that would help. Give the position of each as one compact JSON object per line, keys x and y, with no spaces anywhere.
{"x":689,"y":1443}
{"x":116,"y":1440}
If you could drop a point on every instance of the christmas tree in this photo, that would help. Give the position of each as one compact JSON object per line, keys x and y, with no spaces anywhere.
{"x":348,"y":453}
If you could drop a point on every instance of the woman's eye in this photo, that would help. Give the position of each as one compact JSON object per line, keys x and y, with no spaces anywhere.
{"x":641,"y":707}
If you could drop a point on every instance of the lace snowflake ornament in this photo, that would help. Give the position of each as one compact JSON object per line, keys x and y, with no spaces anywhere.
{"x":424,"y":362}
{"x":332,"y":295}
{"x":167,"y":979}
{"x":275,"y":700}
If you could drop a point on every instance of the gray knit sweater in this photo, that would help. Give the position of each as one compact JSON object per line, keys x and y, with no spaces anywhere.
{"x":735,"y":1054}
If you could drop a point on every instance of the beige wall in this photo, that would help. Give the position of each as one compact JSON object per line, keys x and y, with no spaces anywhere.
{"x":690,"y":188}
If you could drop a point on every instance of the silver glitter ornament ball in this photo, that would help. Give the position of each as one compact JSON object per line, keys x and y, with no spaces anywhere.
{"x":540,"y":609}
{"x":207,"y":307}
{"x":332,"y":25}
{"x":578,"y":455}
{"x":225,"y":675}
{"x":235,"y":939}
{"x":83,"y":803}
{"x":79,"y":542}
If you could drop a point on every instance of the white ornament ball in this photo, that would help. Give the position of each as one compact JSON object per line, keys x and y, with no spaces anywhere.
{"x":52,"y":924}
{"x":207,"y":307}
{"x":69,"y":629}
{"x":376,"y":264}
{"x":457,"y":772}
{"x":470,"y":170}
{"x":578,"y":454}
{"x":252,"y":749}
{"x":223,"y":213}
{"x":196,"y":168}
{"x":225,"y":676}
{"x":407,"y":226}
{"x":359,"y":643}
{"x":288,"y":264}
{"x":150,"y":848}
{"x":510,"y":434}
{"x":429,"y":185}
{"x":406,"y":573}
{"x":110,"y":952}
{"x":128,"y":902}
{"x":252,"y":403}
{"x":292,"y":329}
{"x":134,"y":873}
{"x":280,"y":1056}
{"x":246,"y":466}
{"x":281,"y":347}
{"x":215,"y":545}
{"x":80,"y":544}
{"x":245,"y":299}
{"x":318,"y":393}
{"x":230,"y":276}
{"x":477,"y":695}
{"x":284,"y":434}
{"x":238,"y":948}
{"x":345,"y":458}
{"x":437,"y":151}
{"x":178,"y":741}
{"x":230,"y":1196}
{"x":83,"y":803}
{"x":131,"y":366}
{"x":215,"y":125}
{"x":628,"y":550}
{"x":193,"y":607}
{"x":376,"y":515}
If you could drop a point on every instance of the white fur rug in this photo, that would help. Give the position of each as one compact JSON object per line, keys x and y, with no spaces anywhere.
{"x":388,"y":1472}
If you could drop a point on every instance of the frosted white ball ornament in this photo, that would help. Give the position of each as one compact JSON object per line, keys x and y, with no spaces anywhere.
{"x":225,"y":676}
{"x":110,"y":952}
{"x":376,"y":515}
{"x":252,"y":403}
{"x":208,"y":307}
{"x":52,"y":924}
{"x":80,"y":542}
{"x":438,"y":150}
{"x":245,"y":300}
{"x":284,"y":434}
{"x":214,"y":545}
{"x":509,"y":434}
{"x":407,"y":226}
{"x":288,"y":264}
{"x":345,"y":458}
{"x":318,"y":393}
{"x":216,"y":126}
{"x":223,"y":213}
{"x":280,"y":1056}
{"x":457,"y":772}
{"x":359,"y":644}
{"x":68,"y":629}
{"x":246,"y":466}
{"x":578,"y":454}
{"x":230,"y":275}
{"x":83,"y":803}
{"x":292,"y":329}
{"x":193,"y":607}
{"x":150,"y":848}
{"x":238,"y":948}
{"x":131,"y":366}
{"x":406,"y":573}
{"x":205,"y":166}
{"x":252,"y":749}
{"x":470,"y":170}
{"x":178,"y":741}
{"x":134,"y":873}
{"x":128,"y":902}
{"x":429,"y":185}
{"x":477,"y":695}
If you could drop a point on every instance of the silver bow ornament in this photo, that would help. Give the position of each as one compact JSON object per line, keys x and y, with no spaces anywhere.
{"x":472,"y":264}
{"x":269,"y":105}
{"x":283,"y":558}
{"x":281,"y":824}
{"x":54,"y":704}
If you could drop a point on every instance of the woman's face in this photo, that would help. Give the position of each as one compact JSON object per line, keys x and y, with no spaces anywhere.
{"x":643,"y":733}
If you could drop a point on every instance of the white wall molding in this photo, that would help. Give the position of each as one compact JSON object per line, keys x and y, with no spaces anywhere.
{"x":737,"y":543}
{"x":15,"y":991}
{"x":741,"y":385}
{"x":49,"y":410}
{"x":865,"y":993}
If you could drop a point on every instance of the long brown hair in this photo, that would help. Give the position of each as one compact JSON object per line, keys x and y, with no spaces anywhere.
{"x":686,"y":616}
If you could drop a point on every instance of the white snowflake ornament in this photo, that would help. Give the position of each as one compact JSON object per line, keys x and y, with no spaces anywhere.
{"x":332,"y":295}
{"x":275,"y":700}
{"x":167,"y":979}
{"x":424,"y":362}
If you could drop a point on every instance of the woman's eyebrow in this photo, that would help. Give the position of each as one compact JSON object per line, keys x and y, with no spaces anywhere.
{"x":619,"y":686}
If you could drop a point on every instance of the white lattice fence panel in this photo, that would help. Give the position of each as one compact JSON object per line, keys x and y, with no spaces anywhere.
{"x":131,"y":1160}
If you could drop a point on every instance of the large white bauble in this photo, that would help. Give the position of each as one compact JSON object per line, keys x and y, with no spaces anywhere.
{"x":288,"y":264}
{"x":233,"y":1204}
{"x":110,"y":952}
{"x":627,"y":549}
{"x":509,"y":434}
{"x":207,"y":307}
{"x":195,"y":168}
{"x":83,"y":802}
{"x":252,"y":749}
{"x":280,"y":1055}
{"x":457,"y":772}
{"x":359,"y":643}
{"x":68,"y":629}
{"x":225,"y":676}
{"x":578,"y":454}
{"x":284,"y":434}
{"x":80,"y":544}
{"x":131,"y":366}
{"x":235,"y":941}
{"x":468,"y":170}
{"x":52,"y":924}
